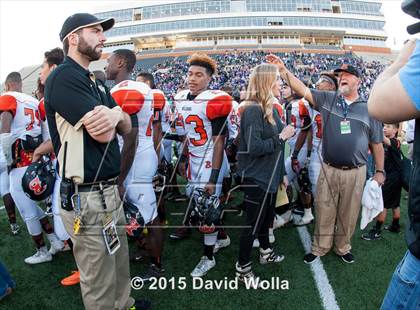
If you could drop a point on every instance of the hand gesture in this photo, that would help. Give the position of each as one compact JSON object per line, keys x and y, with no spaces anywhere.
{"x":275,"y":60}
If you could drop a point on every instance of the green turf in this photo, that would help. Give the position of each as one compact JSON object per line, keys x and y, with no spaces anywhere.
{"x":362,"y":285}
{"x":358,"y":286}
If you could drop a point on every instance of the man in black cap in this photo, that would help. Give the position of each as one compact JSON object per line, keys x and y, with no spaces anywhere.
{"x":83,"y":120}
{"x":348,"y":133}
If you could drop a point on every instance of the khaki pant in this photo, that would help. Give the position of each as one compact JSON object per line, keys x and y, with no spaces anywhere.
{"x":104,"y":279}
{"x":338,"y":202}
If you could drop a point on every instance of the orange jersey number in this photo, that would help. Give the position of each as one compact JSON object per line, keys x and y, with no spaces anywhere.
{"x":199,"y":128}
{"x":32,"y":115}
{"x":149,"y":127}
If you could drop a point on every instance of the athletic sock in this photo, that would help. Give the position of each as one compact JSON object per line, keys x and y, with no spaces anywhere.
{"x":378,"y":225}
{"x":208,"y":251}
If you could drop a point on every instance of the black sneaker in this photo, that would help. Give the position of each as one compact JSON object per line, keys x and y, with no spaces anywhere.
{"x":372,"y":234}
{"x":153,"y":272}
{"x":138,"y":255}
{"x":310,"y":258}
{"x":141,"y":304}
{"x":348,"y":258}
{"x":393,"y":228}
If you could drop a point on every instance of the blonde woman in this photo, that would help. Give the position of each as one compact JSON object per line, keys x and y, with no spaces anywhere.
{"x":261,"y":164}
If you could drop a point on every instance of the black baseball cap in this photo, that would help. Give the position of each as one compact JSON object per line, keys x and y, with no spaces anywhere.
{"x":349,"y":69}
{"x":83,"y":20}
{"x":330,"y":77}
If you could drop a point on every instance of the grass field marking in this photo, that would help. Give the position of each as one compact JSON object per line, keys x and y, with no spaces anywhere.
{"x":323,"y":285}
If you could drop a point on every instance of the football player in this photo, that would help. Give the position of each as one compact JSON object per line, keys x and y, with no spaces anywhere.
{"x":139,"y":160}
{"x":21,"y":134}
{"x":297,"y":114}
{"x":203,"y":114}
{"x":160,"y":125}
{"x":9,"y":204}
{"x":231,"y":144}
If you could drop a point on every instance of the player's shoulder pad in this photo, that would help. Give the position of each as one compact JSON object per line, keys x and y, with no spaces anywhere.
{"x":235,"y":105}
{"x":41,"y":108}
{"x":8,"y":102}
{"x":218,"y":103}
{"x":278,"y":107}
{"x":130,"y":95}
{"x":159,"y":99}
{"x":182,"y":95}
{"x":303,"y":107}
{"x":241,"y":107}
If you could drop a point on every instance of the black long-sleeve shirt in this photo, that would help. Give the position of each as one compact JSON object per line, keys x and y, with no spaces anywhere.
{"x":261,"y":152}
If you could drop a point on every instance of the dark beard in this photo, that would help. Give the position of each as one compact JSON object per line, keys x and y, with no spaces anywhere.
{"x":84,"y":49}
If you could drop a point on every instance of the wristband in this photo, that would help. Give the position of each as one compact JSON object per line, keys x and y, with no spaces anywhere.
{"x":214,"y":176}
{"x":295,"y":153}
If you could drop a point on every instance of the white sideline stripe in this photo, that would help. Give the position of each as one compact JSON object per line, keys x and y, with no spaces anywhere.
{"x":323,"y":285}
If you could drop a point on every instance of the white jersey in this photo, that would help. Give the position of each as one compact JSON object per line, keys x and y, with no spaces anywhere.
{"x":316,"y":128}
{"x":233,"y":121}
{"x":161,"y":109}
{"x":136,"y":99}
{"x":298,"y":117}
{"x":280,"y":110}
{"x":26,"y":121}
{"x":44,"y":124}
{"x":195,"y":116}
{"x":25,"y":111}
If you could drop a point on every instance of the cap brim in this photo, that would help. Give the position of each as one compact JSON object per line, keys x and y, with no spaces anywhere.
{"x":107,"y":23}
{"x":343,"y":70}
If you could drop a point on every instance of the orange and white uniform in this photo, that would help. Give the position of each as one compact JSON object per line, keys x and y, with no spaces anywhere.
{"x":136,"y":99}
{"x":300,"y":118}
{"x":316,"y":155}
{"x":194,"y":120}
{"x":233,"y":121}
{"x":162,"y":113}
{"x":26,"y":122}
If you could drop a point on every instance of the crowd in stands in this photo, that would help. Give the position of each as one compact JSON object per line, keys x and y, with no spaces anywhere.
{"x":235,"y":68}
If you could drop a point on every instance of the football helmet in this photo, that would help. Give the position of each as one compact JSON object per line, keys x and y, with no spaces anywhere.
{"x":134,"y":219}
{"x":305,"y":185}
{"x":204,"y":211}
{"x":38,"y":180}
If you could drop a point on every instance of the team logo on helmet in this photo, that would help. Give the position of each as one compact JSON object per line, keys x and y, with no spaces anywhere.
{"x":39,"y":179}
{"x":132,"y":226}
{"x":36,"y":186}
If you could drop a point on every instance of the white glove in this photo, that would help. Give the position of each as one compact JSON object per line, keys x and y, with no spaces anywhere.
{"x":6,"y":141}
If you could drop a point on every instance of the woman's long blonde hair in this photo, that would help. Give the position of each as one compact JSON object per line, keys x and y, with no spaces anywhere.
{"x":260,"y":89}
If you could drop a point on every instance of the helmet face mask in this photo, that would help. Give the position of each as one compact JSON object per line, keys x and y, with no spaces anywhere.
{"x":204,"y":211}
{"x":158,"y":182}
{"x":38,"y":180}
{"x":305,"y":186}
{"x":162,"y":174}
